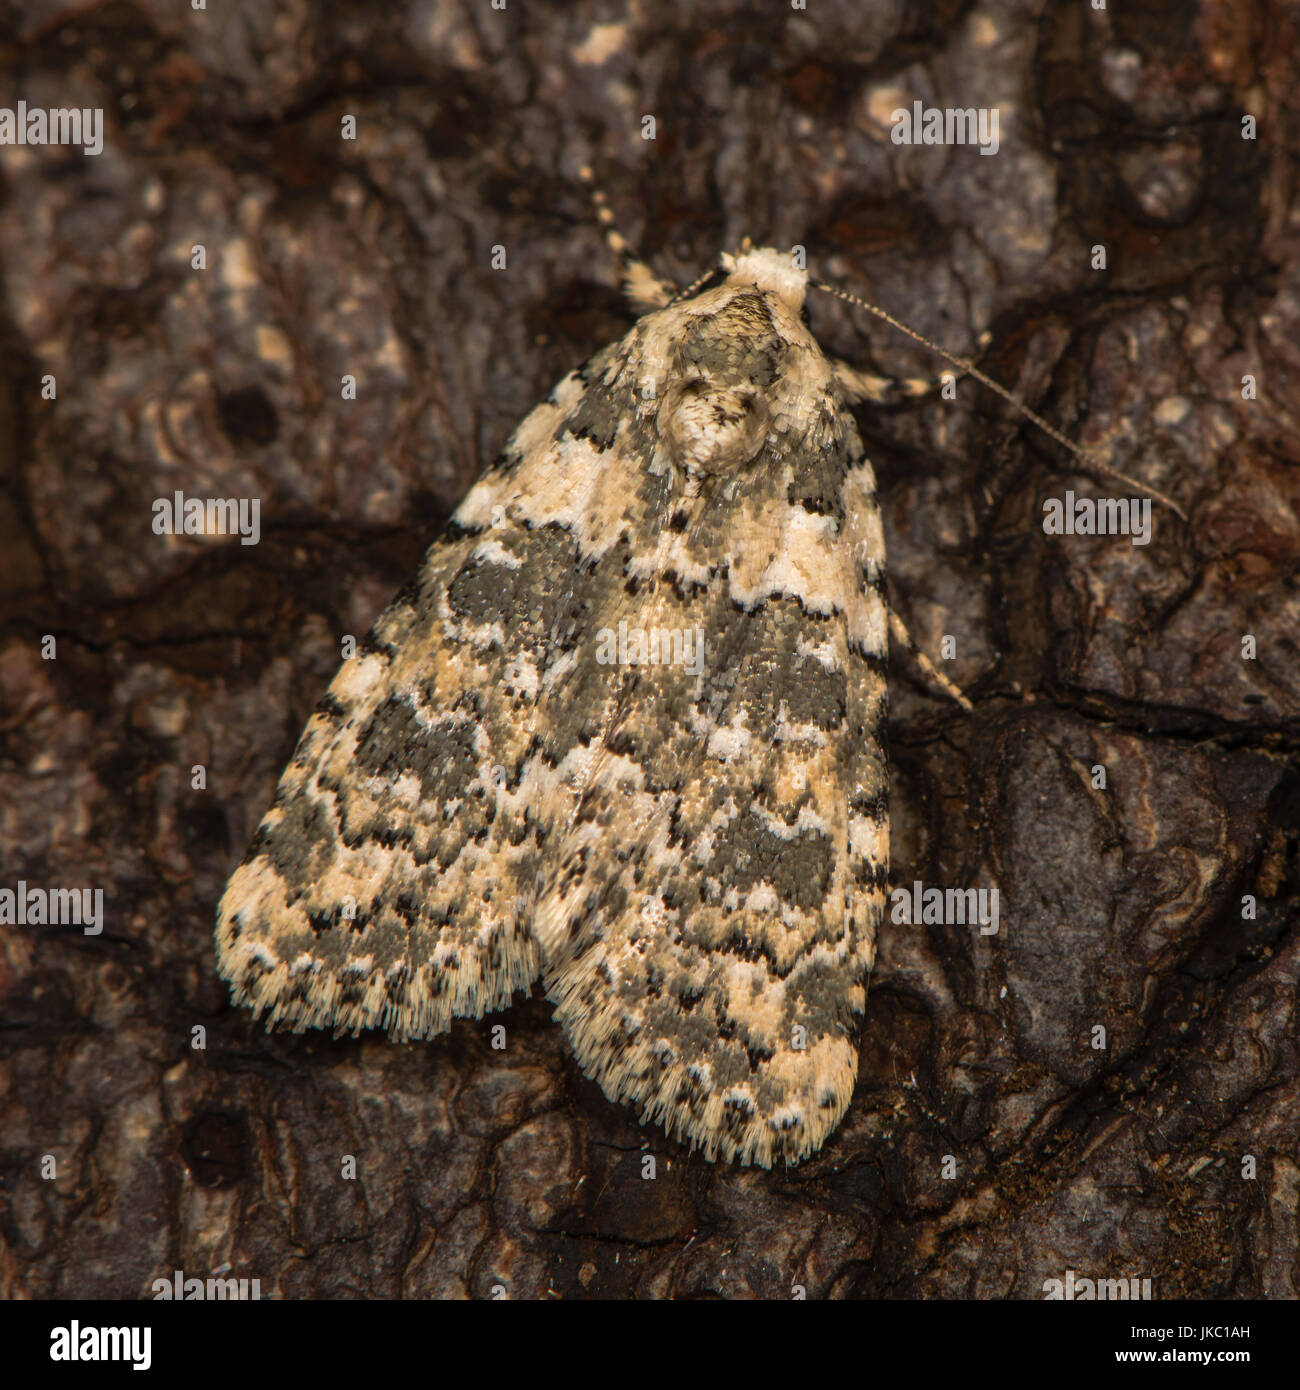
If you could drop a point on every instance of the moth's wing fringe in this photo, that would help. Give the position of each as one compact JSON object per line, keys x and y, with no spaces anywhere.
{"x":723,"y":1123}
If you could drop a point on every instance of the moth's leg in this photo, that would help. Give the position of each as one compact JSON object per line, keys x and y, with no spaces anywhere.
{"x":865,"y":386}
{"x":643,"y":288}
{"x":859,"y":386}
{"x":898,"y":629}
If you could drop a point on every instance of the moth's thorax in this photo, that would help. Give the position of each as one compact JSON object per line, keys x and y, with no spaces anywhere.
{"x":742,"y":367}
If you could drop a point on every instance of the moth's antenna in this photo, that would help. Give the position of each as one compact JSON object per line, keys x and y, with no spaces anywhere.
{"x":972,"y":370}
{"x":641,"y":285}
{"x":690,"y":290}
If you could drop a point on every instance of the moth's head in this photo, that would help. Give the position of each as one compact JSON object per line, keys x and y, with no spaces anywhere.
{"x":771,"y":270}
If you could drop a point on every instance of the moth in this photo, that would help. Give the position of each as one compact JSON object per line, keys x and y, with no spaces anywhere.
{"x":516,"y":780}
